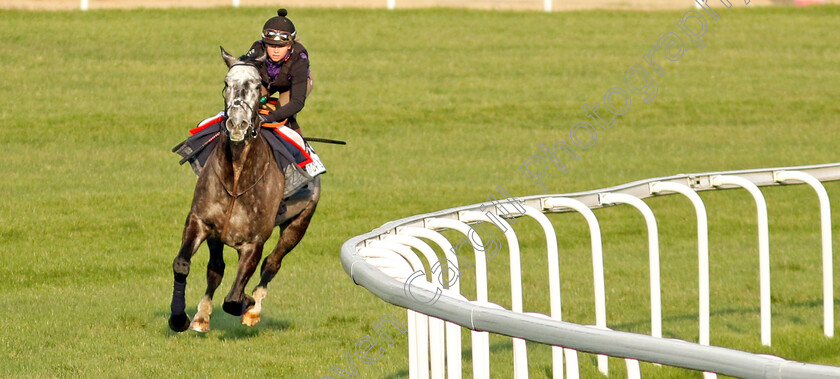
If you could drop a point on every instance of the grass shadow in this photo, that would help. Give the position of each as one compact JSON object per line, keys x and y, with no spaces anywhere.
{"x":398,"y":374}
{"x":466,"y":357}
{"x":233,"y":329}
{"x":633,"y":325}
{"x":230,"y":326}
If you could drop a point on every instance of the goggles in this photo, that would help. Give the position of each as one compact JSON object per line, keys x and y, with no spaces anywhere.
{"x":281,"y":37}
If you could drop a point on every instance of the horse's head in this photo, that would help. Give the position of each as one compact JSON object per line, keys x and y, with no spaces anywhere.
{"x":242,"y":98}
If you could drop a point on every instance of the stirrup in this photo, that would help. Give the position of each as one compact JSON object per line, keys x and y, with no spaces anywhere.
{"x":316,"y":167}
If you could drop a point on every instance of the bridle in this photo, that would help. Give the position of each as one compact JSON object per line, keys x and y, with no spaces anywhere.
{"x":254,"y":112}
{"x":240,"y":103}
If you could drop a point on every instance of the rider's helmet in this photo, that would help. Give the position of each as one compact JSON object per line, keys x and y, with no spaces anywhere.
{"x":279,"y":31}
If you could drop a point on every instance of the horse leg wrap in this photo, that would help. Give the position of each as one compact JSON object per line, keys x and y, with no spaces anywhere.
{"x":179,"y":321}
{"x":178,"y":302}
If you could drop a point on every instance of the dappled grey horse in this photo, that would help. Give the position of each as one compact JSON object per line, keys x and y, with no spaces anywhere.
{"x":236,"y":203}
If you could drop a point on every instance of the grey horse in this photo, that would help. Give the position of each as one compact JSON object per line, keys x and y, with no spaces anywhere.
{"x":236,"y":203}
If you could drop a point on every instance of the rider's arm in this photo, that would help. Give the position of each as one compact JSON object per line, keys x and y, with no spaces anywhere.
{"x":257,"y":50}
{"x":297,"y":93}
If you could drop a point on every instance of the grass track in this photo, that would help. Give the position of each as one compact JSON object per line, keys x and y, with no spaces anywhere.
{"x":439,"y":107}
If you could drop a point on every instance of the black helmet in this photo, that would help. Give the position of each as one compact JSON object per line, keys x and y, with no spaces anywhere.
{"x":279,"y":31}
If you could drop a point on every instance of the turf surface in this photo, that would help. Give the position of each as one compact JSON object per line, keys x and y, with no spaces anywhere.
{"x":439,"y":107}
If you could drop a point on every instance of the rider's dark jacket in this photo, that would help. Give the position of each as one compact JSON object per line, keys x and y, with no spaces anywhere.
{"x":291,"y":74}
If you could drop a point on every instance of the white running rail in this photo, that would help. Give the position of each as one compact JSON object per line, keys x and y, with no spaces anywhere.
{"x":385,"y":262}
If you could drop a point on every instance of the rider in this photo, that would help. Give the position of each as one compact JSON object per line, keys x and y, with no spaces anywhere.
{"x":285,"y":73}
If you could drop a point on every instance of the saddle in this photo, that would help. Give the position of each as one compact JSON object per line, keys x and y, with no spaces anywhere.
{"x":287,"y":145}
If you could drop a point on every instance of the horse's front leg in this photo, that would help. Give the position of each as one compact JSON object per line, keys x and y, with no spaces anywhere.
{"x":194,"y":234}
{"x":215,"y":272}
{"x":236,"y":302}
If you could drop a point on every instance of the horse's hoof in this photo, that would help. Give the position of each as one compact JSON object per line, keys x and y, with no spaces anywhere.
{"x":202,"y":326}
{"x":179,"y":323}
{"x":250,"y":318}
{"x":234,"y":308}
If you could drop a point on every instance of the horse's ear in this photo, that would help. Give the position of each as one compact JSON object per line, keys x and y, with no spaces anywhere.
{"x":229,"y":59}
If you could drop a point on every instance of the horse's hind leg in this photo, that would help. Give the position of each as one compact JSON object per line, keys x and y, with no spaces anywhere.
{"x":252,"y":316}
{"x":194,"y":234}
{"x":215,"y":272}
{"x":289,"y":238}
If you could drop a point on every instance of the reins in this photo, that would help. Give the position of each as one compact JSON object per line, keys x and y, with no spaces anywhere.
{"x":234,"y":196}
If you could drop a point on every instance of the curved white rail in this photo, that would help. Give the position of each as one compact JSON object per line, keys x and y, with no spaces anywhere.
{"x":453,"y":331}
{"x":418,"y":323}
{"x":436,"y":326}
{"x":557,"y":352}
{"x":633,"y":370}
{"x":414,"y":326}
{"x":825,"y":226}
{"x":597,"y":262}
{"x":702,"y":247}
{"x":520,"y":354}
{"x":480,"y":339}
{"x":653,"y":253}
{"x":384,"y":267}
{"x":702,"y":254}
{"x":763,"y":247}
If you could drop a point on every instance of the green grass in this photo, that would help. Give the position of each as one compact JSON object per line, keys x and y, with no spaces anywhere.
{"x":438,"y":107}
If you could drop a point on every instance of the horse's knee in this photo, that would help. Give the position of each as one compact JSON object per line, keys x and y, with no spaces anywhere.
{"x":181,"y":268}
